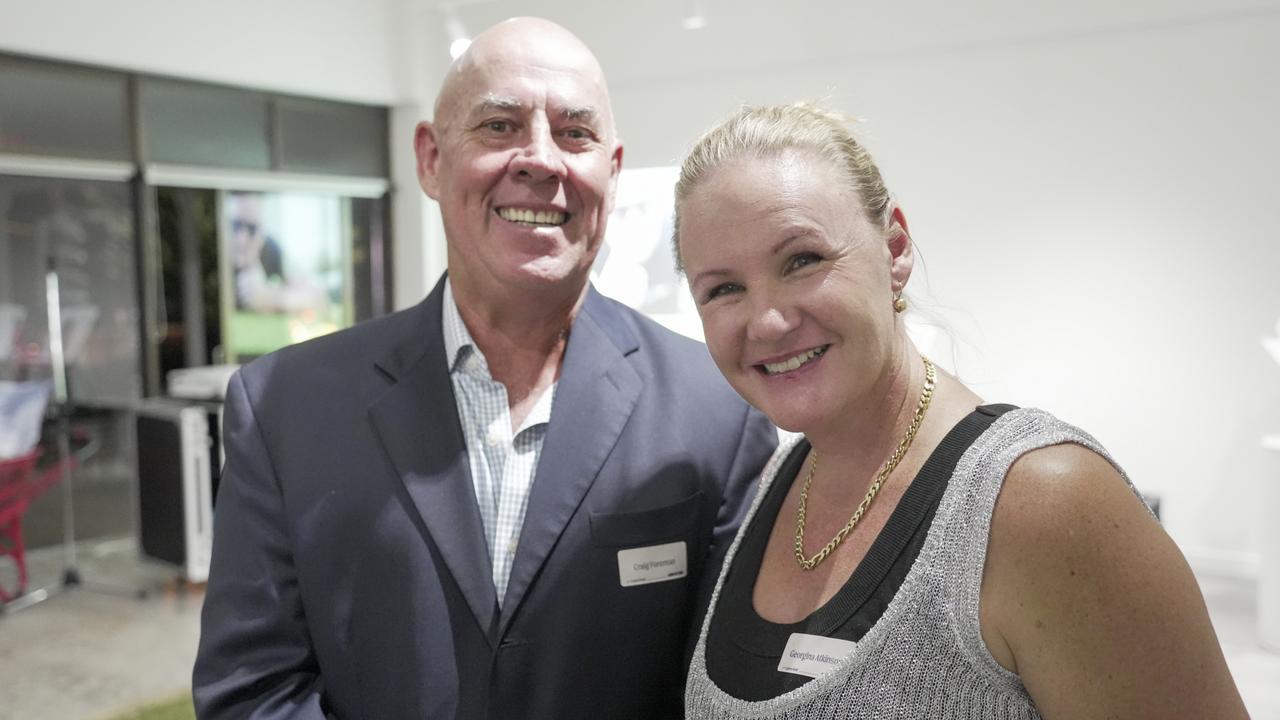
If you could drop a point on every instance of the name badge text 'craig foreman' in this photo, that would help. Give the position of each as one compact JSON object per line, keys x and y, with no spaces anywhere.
{"x":656,"y":563}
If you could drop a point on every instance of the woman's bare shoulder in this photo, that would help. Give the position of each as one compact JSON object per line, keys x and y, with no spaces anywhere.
{"x":1094,"y":603}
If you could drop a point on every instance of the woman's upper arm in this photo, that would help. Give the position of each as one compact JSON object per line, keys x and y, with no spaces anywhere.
{"x":1090,"y":600}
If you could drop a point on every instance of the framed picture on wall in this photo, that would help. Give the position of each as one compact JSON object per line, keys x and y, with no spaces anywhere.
{"x":285,"y":269}
{"x":636,"y":264}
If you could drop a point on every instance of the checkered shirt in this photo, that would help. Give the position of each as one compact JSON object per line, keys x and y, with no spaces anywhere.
{"x":502,"y":462}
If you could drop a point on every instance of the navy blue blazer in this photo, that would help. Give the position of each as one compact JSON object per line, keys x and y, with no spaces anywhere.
{"x":350,"y":575}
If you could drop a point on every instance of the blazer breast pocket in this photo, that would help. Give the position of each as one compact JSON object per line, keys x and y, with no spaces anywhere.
{"x":646,"y":527}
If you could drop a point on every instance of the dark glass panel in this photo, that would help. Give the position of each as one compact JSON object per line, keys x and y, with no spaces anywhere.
{"x":194,"y":124}
{"x":64,"y":111}
{"x":332,"y":138}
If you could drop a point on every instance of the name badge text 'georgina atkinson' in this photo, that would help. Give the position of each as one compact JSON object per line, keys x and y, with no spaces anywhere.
{"x":813,"y":655}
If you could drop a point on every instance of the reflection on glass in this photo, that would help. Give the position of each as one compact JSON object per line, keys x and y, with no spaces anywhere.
{"x":84,"y":230}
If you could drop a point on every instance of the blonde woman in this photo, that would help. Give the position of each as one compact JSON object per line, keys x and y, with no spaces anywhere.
{"x":916,"y":553}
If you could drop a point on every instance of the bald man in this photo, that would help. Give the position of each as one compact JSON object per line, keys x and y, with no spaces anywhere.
{"x":509,"y":501}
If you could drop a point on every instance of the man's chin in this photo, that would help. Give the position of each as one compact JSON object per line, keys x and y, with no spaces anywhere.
{"x":548,"y":275}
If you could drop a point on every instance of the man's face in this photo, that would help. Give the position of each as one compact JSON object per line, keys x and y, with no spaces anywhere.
{"x":523,"y":160}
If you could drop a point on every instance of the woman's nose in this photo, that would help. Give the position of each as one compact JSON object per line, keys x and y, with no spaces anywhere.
{"x":770,"y":323}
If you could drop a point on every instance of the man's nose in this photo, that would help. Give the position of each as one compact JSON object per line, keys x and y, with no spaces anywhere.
{"x":540,"y":159}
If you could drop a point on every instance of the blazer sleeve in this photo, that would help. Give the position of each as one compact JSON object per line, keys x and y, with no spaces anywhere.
{"x":756,"y":443}
{"x":255,"y":659}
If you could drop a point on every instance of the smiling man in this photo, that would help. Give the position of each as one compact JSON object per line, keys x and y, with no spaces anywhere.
{"x":509,"y":501}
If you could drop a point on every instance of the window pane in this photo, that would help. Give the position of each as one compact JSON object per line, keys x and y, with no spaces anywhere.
{"x":86,"y":229}
{"x":369,"y":257}
{"x":194,"y":124}
{"x":332,"y":138}
{"x":48,"y":109}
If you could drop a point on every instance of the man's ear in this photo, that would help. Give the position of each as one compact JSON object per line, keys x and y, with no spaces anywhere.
{"x":426,"y":145}
{"x":902,"y":255}
{"x":615,"y":168}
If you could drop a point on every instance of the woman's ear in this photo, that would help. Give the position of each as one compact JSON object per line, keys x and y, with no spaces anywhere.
{"x":902,"y":256}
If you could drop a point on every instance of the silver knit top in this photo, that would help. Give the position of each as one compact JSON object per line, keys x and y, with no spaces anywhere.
{"x":924,"y":657}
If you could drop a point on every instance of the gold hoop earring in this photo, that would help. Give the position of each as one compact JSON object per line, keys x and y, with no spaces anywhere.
{"x":898,"y":303}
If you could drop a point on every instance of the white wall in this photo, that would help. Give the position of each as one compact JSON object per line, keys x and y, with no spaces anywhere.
{"x":336,"y":49}
{"x":1097,"y":216}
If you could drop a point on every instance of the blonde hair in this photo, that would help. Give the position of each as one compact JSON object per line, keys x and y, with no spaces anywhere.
{"x":766,"y":131}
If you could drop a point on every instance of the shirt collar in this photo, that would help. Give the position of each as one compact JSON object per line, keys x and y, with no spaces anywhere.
{"x":460,"y":349}
{"x":541,"y":412}
{"x":465,"y":356}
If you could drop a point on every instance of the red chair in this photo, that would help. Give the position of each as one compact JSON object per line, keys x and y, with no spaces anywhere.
{"x":20,"y":482}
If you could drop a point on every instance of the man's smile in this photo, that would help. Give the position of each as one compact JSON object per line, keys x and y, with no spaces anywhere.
{"x":533,"y":218}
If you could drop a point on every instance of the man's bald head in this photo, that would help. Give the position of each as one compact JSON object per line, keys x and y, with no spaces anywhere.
{"x":523,"y":159}
{"x":521,"y":41}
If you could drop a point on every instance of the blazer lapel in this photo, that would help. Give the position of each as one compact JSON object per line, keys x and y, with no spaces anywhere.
{"x":417,"y":421}
{"x":595,"y":395}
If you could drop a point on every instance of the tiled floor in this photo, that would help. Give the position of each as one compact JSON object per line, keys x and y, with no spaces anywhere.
{"x":87,"y":654}
{"x":94,"y":651}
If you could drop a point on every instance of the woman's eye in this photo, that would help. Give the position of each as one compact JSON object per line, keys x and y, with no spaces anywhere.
{"x":800,"y":260}
{"x":721,"y":290}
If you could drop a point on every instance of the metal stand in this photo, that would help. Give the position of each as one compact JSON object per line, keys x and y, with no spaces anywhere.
{"x":71,"y":575}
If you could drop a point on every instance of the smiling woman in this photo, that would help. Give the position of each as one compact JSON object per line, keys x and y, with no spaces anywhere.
{"x":980,"y":561}
{"x":787,"y":281}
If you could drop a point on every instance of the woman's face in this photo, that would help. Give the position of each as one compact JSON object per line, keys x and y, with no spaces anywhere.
{"x":794,"y":286}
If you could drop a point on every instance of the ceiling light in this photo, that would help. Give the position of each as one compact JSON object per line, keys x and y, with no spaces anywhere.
{"x":695,"y":18}
{"x":458,"y":39}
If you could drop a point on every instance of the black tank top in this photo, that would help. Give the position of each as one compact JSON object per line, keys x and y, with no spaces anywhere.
{"x":743,"y":649}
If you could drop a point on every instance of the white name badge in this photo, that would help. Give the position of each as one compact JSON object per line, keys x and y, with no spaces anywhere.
{"x":813,"y":655}
{"x":657,"y":563}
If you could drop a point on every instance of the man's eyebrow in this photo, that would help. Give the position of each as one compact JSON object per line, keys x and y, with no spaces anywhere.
{"x":579,"y":114}
{"x":490,"y":102}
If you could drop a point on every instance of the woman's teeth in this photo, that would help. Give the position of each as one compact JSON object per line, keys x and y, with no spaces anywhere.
{"x":795,"y":362}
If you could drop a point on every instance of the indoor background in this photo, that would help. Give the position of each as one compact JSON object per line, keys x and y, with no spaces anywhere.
{"x":1091,"y":186}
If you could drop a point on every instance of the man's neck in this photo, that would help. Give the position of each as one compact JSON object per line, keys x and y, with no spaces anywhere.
{"x":522,"y":337}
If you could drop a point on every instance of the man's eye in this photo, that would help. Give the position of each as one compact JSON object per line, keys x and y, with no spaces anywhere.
{"x":721,"y":290}
{"x":497,"y":126}
{"x":803,"y":259}
{"x":578,"y":134}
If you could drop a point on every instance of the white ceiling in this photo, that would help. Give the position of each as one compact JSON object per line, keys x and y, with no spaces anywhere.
{"x":644,"y":42}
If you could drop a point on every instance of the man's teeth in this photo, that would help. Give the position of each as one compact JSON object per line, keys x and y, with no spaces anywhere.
{"x":532,"y":217}
{"x":793,"y":363}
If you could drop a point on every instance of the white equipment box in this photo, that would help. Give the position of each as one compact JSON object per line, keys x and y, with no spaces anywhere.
{"x":178,"y":467}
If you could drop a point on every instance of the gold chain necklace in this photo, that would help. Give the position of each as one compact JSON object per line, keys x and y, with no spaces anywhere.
{"x":809,"y":563}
